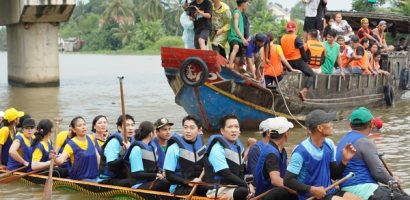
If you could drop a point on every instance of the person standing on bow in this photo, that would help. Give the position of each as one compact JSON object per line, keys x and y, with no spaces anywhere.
{"x":221,"y":17}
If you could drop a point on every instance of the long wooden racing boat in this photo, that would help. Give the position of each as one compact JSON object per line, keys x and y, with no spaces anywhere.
{"x":102,"y":190}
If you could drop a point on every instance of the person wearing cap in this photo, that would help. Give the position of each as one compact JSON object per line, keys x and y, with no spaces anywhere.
{"x":20,"y":150}
{"x":221,"y":17}
{"x":184,"y":160}
{"x":271,"y":166}
{"x":377,"y":125}
{"x":366,"y":164}
{"x":313,"y":163}
{"x":143,"y":158}
{"x":225,"y":163}
{"x":365,"y":32}
{"x":294,"y":51}
{"x":19,"y":126}
{"x":236,"y":37}
{"x":113,"y":168}
{"x":379,"y":35}
{"x":163,"y":134}
{"x":201,"y":15}
{"x":8,"y":133}
{"x":255,"y":44}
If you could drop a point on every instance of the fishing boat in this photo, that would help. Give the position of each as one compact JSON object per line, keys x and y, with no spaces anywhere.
{"x":102,"y":190}
{"x":206,"y":88}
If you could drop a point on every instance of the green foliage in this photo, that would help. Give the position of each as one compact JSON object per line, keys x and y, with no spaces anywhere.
{"x":259,"y":23}
{"x":401,"y":7}
{"x":102,"y":39}
{"x":125,"y":32}
{"x":298,"y":11}
{"x":364,"y":6}
{"x":116,"y":9}
{"x":81,"y":26}
{"x":146,"y":35}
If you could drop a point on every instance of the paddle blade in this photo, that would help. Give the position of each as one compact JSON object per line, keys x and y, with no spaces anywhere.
{"x":10,"y":179}
{"x":48,"y":189}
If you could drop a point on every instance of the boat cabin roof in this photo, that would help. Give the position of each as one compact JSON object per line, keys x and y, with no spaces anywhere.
{"x":395,"y":23}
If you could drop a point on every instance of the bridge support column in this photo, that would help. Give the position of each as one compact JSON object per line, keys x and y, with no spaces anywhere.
{"x":33,"y":54}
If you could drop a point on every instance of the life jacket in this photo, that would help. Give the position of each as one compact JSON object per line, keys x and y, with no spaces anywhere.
{"x":318,"y":170}
{"x":263,"y":182}
{"x":6,"y":147}
{"x":98,"y":147}
{"x":275,"y":68}
{"x":26,"y":154}
{"x":288,"y":46}
{"x":315,"y":52}
{"x":191,"y":157}
{"x":343,"y":57}
{"x":104,"y":168}
{"x":46,"y":154}
{"x":358,"y":167}
{"x":161,"y":153}
{"x":250,"y":168}
{"x":66,"y":164}
{"x":233,"y":156}
{"x":363,"y":62}
{"x":85,"y":161}
{"x":148,"y":155}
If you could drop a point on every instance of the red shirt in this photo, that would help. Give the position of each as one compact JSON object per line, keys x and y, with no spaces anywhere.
{"x":361,"y":32}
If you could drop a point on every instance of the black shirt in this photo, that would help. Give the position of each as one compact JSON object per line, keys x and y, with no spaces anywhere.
{"x":271,"y":163}
{"x":360,"y":51}
{"x":202,"y":23}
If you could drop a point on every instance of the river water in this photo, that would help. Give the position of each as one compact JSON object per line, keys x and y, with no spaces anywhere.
{"x":89,"y":87}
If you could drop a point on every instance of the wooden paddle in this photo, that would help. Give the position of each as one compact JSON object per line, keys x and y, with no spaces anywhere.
{"x":195,"y":186}
{"x":350,"y":175}
{"x":48,"y":186}
{"x":12,"y":171}
{"x":388,"y":169}
{"x":17,"y":177}
{"x":124,"y":134}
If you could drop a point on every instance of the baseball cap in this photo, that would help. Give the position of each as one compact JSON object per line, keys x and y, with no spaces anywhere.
{"x":290,"y":26}
{"x":317,"y":117}
{"x":162,"y":122}
{"x":279,"y":124}
{"x":361,"y":115}
{"x":28,"y":123}
{"x":260,"y":37}
{"x":11,"y":114}
{"x":377,"y":122}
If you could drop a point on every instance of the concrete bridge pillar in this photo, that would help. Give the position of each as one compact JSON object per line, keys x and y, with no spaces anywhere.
{"x":32,"y":39}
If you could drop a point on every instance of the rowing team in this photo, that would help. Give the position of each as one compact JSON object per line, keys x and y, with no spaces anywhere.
{"x":153,"y":158}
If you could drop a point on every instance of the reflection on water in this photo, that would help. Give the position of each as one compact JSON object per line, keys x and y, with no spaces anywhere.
{"x":89,"y":87}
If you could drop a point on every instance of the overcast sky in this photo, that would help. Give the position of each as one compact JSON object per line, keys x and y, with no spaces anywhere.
{"x":331,"y":5}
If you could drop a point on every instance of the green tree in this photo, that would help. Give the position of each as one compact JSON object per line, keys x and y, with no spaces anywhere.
{"x":125,"y":32}
{"x":151,"y":10}
{"x":147,"y":33}
{"x":259,"y":22}
{"x":117,"y":8}
{"x":364,"y":6}
{"x":298,"y":11}
{"x":102,"y":39}
{"x":401,"y":7}
{"x":83,"y":25}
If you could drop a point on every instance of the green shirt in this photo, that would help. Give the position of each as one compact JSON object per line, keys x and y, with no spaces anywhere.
{"x":363,"y":191}
{"x":331,"y":56}
{"x":232,"y":33}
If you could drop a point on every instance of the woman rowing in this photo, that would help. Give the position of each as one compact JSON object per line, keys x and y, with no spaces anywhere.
{"x":82,"y":153}
{"x":100,"y":130}
{"x":7,"y":133}
{"x":143,"y":158}
{"x":62,"y":139}
{"x":20,"y":150}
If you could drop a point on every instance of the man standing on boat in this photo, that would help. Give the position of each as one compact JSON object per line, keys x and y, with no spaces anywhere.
{"x":8,"y":133}
{"x":221,"y":17}
{"x":271,"y":166}
{"x":200,"y":13}
{"x":225,"y":164}
{"x":366,"y":164}
{"x":236,"y":38}
{"x":313,"y":20}
{"x":163,"y":134}
{"x":313,"y":163}
{"x":254,"y":45}
{"x":294,"y":51}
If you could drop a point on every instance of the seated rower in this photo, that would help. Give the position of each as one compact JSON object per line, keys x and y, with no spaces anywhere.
{"x":20,"y":150}
{"x":163,"y":134}
{"x":41,"y":150}
{"x":271,"y":166}
{"x":272,"y":64}
{"x":7,"y":134}
{"x":82,"y":153}
{"x":100,"y":130}
{"x":359,"y":62}
{"x":184,"y":159}
{"x":313,"y":163}
{"x":62,"y":139}
{"x":366,"y":164}
{"x":113,"y":167}
{"x":225,"y":163}
{"x":143,"y":158}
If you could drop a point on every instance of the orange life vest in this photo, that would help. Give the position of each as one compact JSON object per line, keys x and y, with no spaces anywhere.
{"x":315,"y":52}
{"x":343,"y":57}
{"x":363,"y":62}
{"x":275,"y":68}
{"x":288,"y":46}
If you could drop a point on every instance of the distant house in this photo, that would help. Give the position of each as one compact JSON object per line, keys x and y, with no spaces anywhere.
{"x":279,"y":12}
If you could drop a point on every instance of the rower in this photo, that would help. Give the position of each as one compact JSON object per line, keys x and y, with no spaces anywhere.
{"x":143,"y":158}
{"x":271,"y":167}
{"x":7,"y":133}
{"x":184,"y":159}
{"x":163,"y":134}
{"x":82,"y":153}
{"x":20,"y":149}
{"x":225,"y":162}
{"x":313,"y":163}
{"x":366,"y":164}
{"x":114,"y":170}
{"x":62,"y":139}
{"x":100,"y":130}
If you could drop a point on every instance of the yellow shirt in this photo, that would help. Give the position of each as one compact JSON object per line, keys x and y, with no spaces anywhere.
{"x":82,"y":144}
{"x":4,"y":134}
{"x":37,"y":154}
{"x":61,"y":137}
